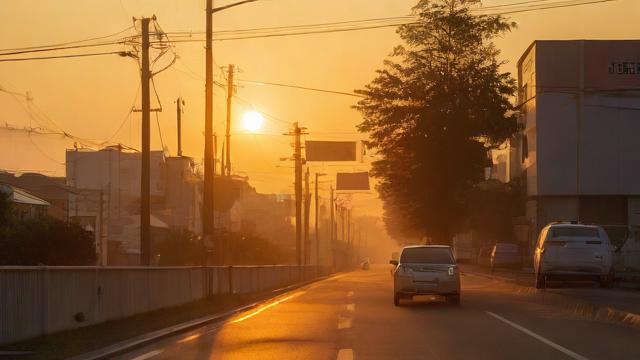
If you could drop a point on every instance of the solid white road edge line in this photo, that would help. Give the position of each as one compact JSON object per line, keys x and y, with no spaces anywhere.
{"x":345,"y":354}
{"x":148,"y":355}
{"x":560,"y":348}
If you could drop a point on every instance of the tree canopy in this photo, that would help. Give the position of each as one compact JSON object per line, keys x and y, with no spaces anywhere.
{"x":433,"y":113}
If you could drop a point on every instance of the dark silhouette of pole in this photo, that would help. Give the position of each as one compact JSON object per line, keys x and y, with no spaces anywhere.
{"x":207,"y":209}
{"x":317,"y":235}
{"x":145,"y":180}
{"x":179,"y":103}
{"x":297,"y":157}
{"x":307,"y":207}
{"x":228,"y":133}
{"x":333,"y":231}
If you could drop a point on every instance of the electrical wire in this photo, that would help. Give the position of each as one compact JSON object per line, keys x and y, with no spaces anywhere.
{"x":301,"y":87}
{"x":70,"y":42}
{"x":120,"y":53}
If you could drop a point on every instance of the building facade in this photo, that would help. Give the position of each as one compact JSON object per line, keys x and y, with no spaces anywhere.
{"x":578,"y":157}
{"x":107,"y":183}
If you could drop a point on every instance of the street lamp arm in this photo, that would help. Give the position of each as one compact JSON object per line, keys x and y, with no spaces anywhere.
{"x":215,"y":10}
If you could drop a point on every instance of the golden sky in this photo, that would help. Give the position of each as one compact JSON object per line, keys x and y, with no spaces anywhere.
{"x":89,"y":97}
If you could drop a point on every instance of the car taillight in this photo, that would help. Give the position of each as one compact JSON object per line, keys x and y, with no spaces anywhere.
{"x":451,"y":271}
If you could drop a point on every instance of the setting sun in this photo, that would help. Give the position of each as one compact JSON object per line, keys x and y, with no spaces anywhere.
{"x":252,"y":121}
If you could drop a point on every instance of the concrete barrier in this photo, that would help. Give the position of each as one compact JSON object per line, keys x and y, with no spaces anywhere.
{"x":36,"y":301}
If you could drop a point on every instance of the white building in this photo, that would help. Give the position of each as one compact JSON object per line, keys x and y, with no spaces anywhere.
{"x":579,"y":154}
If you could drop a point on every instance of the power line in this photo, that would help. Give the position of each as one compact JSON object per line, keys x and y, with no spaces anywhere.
{"x":120,"y":53}
{"x":301,"y":87}
{"x":111,"y":43}
{"x":70,"y":42}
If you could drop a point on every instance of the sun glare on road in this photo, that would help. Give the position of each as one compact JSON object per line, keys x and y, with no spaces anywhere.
{"x":252,"y":121}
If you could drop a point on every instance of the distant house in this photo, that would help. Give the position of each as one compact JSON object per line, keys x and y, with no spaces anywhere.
{"x":25,"y":204}
{"x":52,"y":189}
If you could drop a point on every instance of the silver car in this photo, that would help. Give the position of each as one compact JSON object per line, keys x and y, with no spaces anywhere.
{"x":426,"y":270}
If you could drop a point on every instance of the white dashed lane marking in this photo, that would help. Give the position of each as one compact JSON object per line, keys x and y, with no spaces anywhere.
{"x":350,"y":294}
{"x":148,"y":355}
{"x":344,"y":322}
{"x":345,"y":354}
{"x":351,"y":307}
{"x":560,"y":348}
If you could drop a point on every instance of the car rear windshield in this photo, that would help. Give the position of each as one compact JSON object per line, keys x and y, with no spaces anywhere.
{"x":427,"y":256}
{"x":574,"y":231}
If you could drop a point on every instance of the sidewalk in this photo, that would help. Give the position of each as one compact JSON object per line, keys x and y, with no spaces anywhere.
{"x":620,"y":299}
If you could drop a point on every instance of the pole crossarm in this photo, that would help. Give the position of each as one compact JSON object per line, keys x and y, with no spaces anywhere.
{"x":215,"y":10}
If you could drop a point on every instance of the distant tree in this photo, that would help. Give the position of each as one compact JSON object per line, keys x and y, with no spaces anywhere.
{"x":180,"y":248}
{"x":433,"y":113}
{"x":6,"y":212}
{"x":46,"y":241}
{"x":492,"y":205}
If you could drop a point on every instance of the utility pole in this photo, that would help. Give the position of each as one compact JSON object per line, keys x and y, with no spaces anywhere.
{"x":228,"y":133}
{"x":332,"y":232}
{"x":207,"y":211}
{"x":307,"y":207}
{"x":179,"y":103}
{"x":297,"y":157}
{"x":317,"y":236}
{"x":145,"y":181}
{"x":316,"y":224}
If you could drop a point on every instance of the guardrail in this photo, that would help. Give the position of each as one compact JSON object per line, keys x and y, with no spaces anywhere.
{"x":36,"y":301}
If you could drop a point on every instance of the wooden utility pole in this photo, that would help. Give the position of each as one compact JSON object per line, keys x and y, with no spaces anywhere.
{"x":315,"y":231}
{"x":332,"y":232}
{"x":228,"y":133}
{"x":207,"y":209}
{"x":145,"y":180}
{"x":179,"y":103}
{"x":297,"y":157}
{"x":307,"y":207}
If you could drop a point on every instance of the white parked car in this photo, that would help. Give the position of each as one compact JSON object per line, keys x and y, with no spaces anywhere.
{"x":572,"y":251}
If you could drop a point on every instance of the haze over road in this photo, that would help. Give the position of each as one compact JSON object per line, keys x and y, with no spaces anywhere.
{"x":352,"y":316}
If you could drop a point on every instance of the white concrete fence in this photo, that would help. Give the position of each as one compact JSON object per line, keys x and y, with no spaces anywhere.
{"x":36,"y":301}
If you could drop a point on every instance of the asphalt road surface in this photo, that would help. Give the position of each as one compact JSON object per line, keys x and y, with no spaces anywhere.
{"x":351,"y":316}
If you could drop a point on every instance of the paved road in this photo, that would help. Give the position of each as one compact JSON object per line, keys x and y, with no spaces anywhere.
{"x":351,"y":316}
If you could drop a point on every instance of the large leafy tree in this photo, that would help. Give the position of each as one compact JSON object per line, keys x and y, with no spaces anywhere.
{"x":433,"y":113}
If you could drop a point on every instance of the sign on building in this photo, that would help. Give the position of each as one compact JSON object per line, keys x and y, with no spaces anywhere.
{"x":330,"y":150}
{"x":352,"y":181}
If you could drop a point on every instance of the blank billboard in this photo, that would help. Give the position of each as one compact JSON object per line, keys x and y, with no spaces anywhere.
{"x":330,"y":150}
{"x":352,"y":181}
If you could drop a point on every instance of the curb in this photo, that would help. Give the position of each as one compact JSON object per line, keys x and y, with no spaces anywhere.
{"x":139,"y":341}
{"x":578,"y":306}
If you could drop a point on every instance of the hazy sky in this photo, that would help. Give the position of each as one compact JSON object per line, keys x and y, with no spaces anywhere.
{"x":89,"y":97}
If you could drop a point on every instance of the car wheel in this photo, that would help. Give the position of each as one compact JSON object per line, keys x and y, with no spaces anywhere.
{"x":396,"y":299}
{"x":453,"y":299}
{"x":541,"y":281}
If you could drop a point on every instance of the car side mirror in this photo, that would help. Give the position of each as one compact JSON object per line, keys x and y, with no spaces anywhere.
{"x":393,"y":262}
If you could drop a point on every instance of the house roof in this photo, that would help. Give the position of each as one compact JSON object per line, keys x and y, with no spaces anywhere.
{"x":20,"y":196}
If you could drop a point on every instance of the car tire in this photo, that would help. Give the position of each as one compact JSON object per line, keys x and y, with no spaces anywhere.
{"x":541,"y":281}
{"x":453,"y":299}
{"x":396,"y":299}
